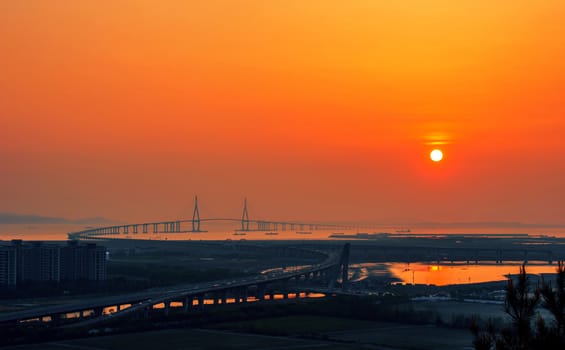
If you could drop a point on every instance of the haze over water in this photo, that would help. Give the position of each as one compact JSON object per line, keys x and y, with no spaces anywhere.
{"x":226,"y":231}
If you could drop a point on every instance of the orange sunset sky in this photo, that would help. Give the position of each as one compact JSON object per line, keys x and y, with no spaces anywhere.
{"x":314,"y":110}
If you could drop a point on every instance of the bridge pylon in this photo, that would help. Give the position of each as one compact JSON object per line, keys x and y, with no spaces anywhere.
{"x":245,"y":217}
{"x":342,"y":269}
{"x":196,"y":216}
{"x":344,"y":264}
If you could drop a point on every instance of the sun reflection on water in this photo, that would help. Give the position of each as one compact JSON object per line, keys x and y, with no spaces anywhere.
{"x":446,"y":274}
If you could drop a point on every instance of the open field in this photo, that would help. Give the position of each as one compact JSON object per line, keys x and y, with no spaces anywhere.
{"x":295,"y":325}
{"x":450,"y":309}
{"x":188,"y":339}
{"x":386,"y":334}
{"x":373,"y":335}
{"x":401,"y":336}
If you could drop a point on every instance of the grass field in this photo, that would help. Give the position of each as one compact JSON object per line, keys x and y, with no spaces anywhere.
{"x":189,"y":339}
{"x":411,"y":337}
{"x":453,"y":308}
{"x":330,"y":333}
{"x":295,"y":325}
{"x":391,"y":335}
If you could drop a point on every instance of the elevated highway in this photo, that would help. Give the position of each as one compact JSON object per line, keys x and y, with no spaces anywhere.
{"x":90,"y":311}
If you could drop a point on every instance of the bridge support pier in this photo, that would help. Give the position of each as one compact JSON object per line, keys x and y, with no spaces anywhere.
{"x":344,"y":265}
{"x":56,"y":318}
{"x":497,"y":260}
{"x":261,"y":292}
{"x":245,"y":295}
{"x":285,"y":289}
{"x":98,"y":311}
{"x":187,"y":304}
{"x":167,"y":308}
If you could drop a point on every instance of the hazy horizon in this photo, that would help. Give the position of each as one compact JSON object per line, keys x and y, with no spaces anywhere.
{"x":23,"y":219}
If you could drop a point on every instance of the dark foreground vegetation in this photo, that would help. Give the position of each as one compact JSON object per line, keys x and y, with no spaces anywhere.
{"x":528,"y":329}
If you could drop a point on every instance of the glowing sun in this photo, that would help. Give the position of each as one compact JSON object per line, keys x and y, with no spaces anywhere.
{"x":436,"y":155}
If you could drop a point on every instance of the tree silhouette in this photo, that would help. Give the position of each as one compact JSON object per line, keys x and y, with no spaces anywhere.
{"x":521,"y":304}
{"x":554,"y":302}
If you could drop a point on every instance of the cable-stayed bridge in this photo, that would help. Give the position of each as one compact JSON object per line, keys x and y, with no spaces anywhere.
{"x":197,"y":224}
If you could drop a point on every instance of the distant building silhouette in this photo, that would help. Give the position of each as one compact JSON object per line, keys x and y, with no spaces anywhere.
{"x":7,"y":266}
{"x":83,"y":262}
{"x":42,"y":262}
{"x":36,"y":261}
